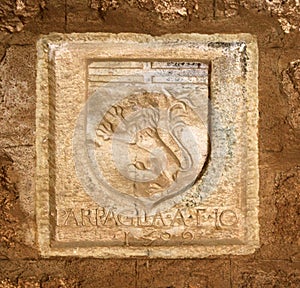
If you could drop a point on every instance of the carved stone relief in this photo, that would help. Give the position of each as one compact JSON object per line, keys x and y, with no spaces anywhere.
{"x":146,"y":144}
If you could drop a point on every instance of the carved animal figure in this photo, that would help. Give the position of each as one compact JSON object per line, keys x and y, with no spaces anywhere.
{"x":150,"y":154}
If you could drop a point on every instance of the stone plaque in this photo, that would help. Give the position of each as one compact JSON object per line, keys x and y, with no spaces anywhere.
{"x":147,"y":146}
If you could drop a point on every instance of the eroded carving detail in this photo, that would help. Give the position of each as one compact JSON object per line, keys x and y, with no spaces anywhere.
{"x":148,"y":142}
{"x":196,"y":217}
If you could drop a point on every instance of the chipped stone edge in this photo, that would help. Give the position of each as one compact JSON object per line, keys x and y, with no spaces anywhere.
{"x":42,"y":151}
{"x":253,"y":157}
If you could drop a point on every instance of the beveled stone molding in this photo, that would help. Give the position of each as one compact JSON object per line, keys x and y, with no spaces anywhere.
{"x":147,"y":146}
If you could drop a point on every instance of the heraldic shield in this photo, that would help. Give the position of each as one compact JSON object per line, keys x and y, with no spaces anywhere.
{"x":142,"y":146}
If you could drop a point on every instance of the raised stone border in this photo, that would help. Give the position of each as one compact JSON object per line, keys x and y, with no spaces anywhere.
{"x":230,"y":181}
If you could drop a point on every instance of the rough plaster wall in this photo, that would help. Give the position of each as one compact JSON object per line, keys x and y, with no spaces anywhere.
{"x":276,"y":24}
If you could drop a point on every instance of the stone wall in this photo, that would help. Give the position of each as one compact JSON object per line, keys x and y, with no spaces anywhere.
{"x":276,"y":25}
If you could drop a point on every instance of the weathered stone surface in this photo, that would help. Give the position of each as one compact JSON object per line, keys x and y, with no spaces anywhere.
{"x":272,"y":130}
{"x":69,"y":274}
{"x":15,"y":14}
{"x":265,"y":274}
{"x":166,"y":9}
{"x":279,"y":241}
{"x":210,"y":210}
{"x":7,"y":200}
{"x":169,"y":10}
{"x":287,"y":185}
{"x":17,"y":90}
{"x":291,"y":89}
{"x":14,"y":172}
{"x":194,"y":274}
{"x":288,"y":12}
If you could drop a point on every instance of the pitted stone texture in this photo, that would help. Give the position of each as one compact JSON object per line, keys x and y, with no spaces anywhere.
{"x":291,"y":84}
{"x":193,"y":274}
{"x":17,"y":97}
{"x":287,"y":12}
{"x":168,"y":10}
{"x":265,"y":273}
{"x":215,"y":214}
{"x":15,"y":14}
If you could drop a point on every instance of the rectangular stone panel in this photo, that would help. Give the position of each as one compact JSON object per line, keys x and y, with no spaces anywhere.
{"x":147,"y":146}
